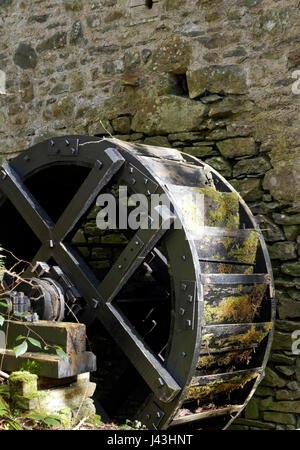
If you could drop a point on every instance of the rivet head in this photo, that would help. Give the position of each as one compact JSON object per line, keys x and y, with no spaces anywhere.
{"x":181,"y":311}
{"x":183,"y":354}
{"x":133,"y":180}
{"x":161,"y":381}
{"x":52,"y":142}
{"x":95,"y":302}
{"x":120,"y":266}
{"x":190,"y":298}
{"x":183,"y":257}
{"x":67,"y":142}
{"x":183,"y":286}
{"x":148,"y":416}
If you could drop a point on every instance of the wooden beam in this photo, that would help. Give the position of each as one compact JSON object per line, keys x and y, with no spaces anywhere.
{"x":205,"y":415}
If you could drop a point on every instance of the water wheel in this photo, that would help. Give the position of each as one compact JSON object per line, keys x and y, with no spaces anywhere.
{"x":180,"y":317}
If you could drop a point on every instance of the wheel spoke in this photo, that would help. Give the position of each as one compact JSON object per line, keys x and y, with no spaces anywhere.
{"x":101,"y":173}
{"x":143,"y":359}
{"x":163,"y":385}
{"x":132,"y":257}
{"x":25,"y":203}
{"x":76,"y":268}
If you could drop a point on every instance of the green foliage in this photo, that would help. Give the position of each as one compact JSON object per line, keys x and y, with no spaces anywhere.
{"x":20,"y":349}
{"x":60,"y":352}
{"x":129,"y":425}
{"x":95,"y":419}
{"x":7,"y":418}
{"x":4,"y":390}
{"x":30,"y":366}
{"x":4,"y":305}
{"x":23,"y":347}
{"x":49,"y":420}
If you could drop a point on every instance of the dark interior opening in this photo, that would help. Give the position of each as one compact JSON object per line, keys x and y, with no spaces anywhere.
{"x":55,"y":186}
{"x":17,"y":239}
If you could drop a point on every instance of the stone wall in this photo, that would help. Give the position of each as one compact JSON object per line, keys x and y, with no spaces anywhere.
{"x":214,"y":78}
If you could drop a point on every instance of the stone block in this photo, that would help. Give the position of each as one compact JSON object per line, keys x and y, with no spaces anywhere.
{"x":235,"y":147}
{"x":283,"y":251}
{"x":277,"y":417}
{"x":168,"y":114}
{"x":228,"y":79}
{"x":23,"y":384}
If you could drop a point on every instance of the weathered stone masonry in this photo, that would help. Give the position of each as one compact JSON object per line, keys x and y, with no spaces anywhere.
{"x":210,"y":77}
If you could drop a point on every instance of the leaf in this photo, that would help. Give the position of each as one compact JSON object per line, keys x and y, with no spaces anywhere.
{"x":1,"y":321}
{"x":54,"y":416}
{"x":4,"y":390}
{"x":20,"y":337}
{"x":20,"y":349}
{"x":62,"y":355}
{"x":4,"y":408}
{"x":37,"y":417}
{"x":50,"y":422}
{"x":14,"y":425}
{"x":6,"y":305}
{"x":34,"y":342}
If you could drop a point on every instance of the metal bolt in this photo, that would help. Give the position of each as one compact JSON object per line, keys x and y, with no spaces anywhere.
{"x":183,"y":354}
{"x":181,"y":311}
{"x":189,"y":323}
{"x":4,"y":174}
{"x":67,"y":142}
{"x":99,"y":164}
{"x":183,"y":286}
{"x":146,"y":180}
{"x":133,"y":180}
{"x":51,"y":243}
{"x":148,"y":192}
{"x":190,"y":298}
{"x":137,"y":243}
{"x":131,"y":169}
{"x":73,"y":151}
{"x":52,"y":142}
{"x":183,"y":257}
{"x":120,"y":266}
{"x":95,"y":302}
{"x":161,"y":381}
{"x":158,"y":414}
{"x":34,"y":318}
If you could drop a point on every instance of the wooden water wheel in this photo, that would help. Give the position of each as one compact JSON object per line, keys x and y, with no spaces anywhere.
{"x":180,"y":317}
